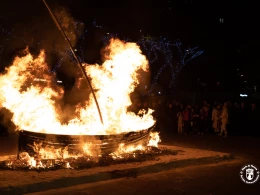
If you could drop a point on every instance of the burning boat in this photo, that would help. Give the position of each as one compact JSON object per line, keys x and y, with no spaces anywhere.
{"x":36,"y":111}
{"x":28,"y":142}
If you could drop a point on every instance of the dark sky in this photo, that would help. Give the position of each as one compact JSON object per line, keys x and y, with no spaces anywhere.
{"x":228,"y":46}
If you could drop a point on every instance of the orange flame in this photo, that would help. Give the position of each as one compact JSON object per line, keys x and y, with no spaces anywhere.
{"x":154,"y":139}
{"x":34,"y":106}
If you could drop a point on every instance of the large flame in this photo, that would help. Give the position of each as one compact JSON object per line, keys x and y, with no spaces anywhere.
{"x":34,"y":107}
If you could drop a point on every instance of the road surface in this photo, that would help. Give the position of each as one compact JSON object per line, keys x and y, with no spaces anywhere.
{"x":208,"y":179}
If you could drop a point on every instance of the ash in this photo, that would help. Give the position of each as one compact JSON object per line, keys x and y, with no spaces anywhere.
{"x":85,"y":162}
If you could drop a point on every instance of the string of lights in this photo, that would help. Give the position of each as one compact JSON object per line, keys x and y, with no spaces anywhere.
{"x":155,"y":46}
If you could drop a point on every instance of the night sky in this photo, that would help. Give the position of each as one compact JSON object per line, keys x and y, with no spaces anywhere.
{"x":227,"y":46}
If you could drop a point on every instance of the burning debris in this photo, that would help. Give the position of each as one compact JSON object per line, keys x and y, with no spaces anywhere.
{"x":29,"y":91}
{"x":26,"y":162}
{"x":43,"y":156}
{"x":52,"y":155}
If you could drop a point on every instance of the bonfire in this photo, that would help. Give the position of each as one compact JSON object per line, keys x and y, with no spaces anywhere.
{"x":35,"y":108}
{"x":100,"y":126}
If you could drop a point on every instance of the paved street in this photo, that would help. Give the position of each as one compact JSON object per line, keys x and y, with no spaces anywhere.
{"x":217,"y":179}
{"x":246,"y":146}
{"x":208,"y":179}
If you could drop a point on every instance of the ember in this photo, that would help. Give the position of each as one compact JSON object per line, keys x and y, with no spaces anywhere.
{"x":84,"y":162}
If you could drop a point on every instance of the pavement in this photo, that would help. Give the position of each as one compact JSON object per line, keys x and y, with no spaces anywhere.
{"x":221,"y":179}
{"x":207,"y":178}
{"x":244,"y":146}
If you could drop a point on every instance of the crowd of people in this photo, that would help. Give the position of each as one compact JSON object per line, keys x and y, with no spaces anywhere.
{"x":220,"y":118}
{"x":224,"y":119}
